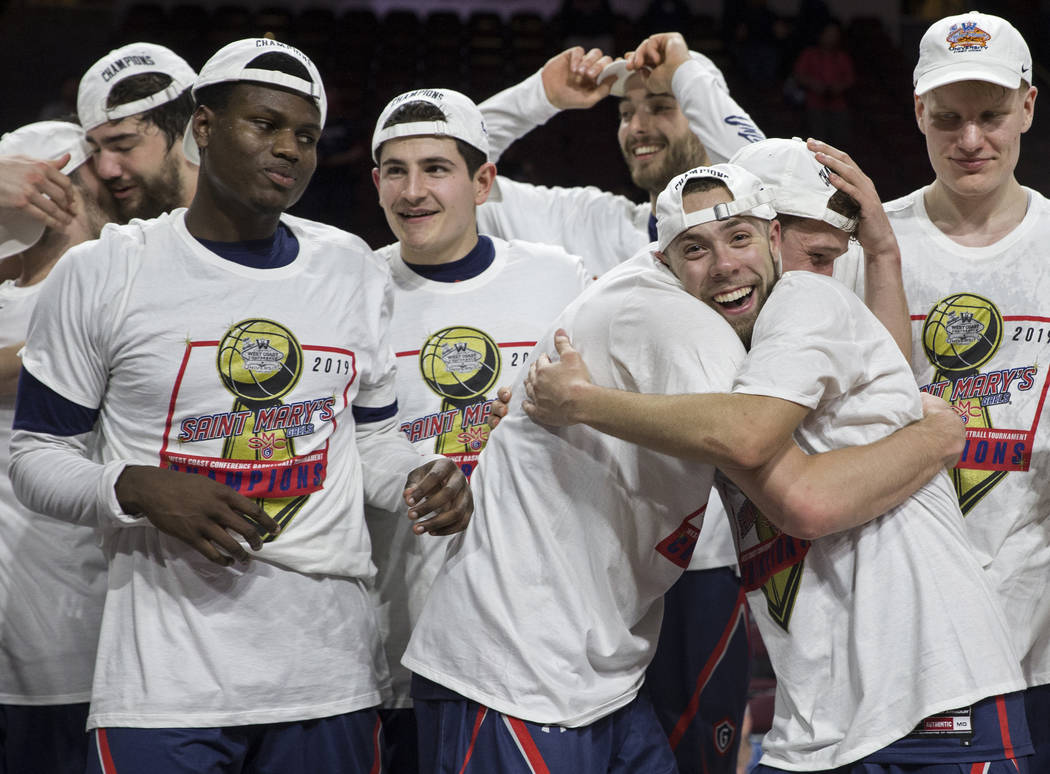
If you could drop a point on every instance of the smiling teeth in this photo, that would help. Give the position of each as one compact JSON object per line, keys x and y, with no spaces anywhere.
{"x":733,"y":295}
{"x":643,"y":149}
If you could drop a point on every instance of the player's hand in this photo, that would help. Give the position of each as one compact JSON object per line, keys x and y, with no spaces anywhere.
{"x":500,"y":407}
{"x":570,"y":79}
{"x":202,"y":513}
{"x":941,"y":418}
{"x":554,"y":388}
{"x":38,"y":189}
{"x":439,"y":489}
{"x":873,"y":228}
{"x":657,"y":57}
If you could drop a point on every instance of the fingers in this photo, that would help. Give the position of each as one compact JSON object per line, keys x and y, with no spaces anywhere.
{"x":500,"y":407}
{"x":441,"y":500}
{"x":250,"y":508}
{"x":562,"y":344}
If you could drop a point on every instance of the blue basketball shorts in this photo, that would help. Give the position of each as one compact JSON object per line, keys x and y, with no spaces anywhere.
{"x":342,"y":744}
{"x":45,"y":739}
{"x":698,"y":679}
{"x":460,"y":736}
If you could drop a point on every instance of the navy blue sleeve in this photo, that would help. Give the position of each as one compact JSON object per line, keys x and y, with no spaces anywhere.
{"x":39,"y":409}
{"x":364,"y":415}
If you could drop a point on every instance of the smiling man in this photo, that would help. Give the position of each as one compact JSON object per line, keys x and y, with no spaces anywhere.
{"x":532,"y":646}
{"x":134,"y":103}
{"x":468,"y":309}
{"x":974,"y":243}
{"x":879,"y":622}
{"x":233,"y":362}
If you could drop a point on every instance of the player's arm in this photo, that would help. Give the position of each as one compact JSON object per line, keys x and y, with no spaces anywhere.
{"x":37,"y":189}
{"x":722,"y":125}
{"x":750,"y":438}
{"x":10,"y":365}
{"x":883,"y":284}
{"x":567,"y":81}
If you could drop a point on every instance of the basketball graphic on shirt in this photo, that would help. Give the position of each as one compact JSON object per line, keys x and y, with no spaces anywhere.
{"x":259,"y":360}
{"x":961,"y":333}
{"x":460,"y":363}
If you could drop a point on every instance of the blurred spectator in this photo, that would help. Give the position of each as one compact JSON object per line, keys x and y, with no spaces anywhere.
{"x":825,"y":72}
{"x":754,"y":33}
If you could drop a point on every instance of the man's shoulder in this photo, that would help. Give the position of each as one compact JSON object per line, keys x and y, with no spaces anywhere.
{"x":538,"y":255}
{"x":329,"y":242}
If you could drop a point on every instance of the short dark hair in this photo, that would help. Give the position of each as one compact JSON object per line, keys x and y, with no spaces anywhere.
{"x":704,"y":184}
{"x":171,"y":117}
{"x":418,"y":110}
{"x":217,"y":96}
{"x":840,"y":202}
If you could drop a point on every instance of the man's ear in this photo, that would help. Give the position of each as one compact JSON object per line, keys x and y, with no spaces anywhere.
{"x":483,"y":180}
{"x":662,"y":258}
{"x":202,"y":122}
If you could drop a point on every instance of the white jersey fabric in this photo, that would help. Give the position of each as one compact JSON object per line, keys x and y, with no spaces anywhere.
{"x":548,"y":608}
{"x":981,"y":339}
{"x":52,"y":573}
{"x":871,"y":629}
{"x":206,"y":366}
{"x":604,"y":228}
{"x":456,"y":344}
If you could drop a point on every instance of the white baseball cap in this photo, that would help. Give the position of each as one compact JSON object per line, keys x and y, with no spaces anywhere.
{"x":972,"y":47}
{"x":622,"y":74}
{"x":750,"y":198}
{"x":463,"y":121}
{"x":121,"y":63}
{"x":41,"y":140}
{"x":799,"y":183}
{"x":230,"y":64}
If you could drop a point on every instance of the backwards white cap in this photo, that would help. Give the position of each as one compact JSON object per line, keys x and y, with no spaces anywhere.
{"x":799,"y":183}
{"x":750,"y":198}
{"x":622,"y":74}
{"x":231,"y":64}
{"x":42,"y":140}
{"x":972,"y":47}
{"x":121,"y":63}
{"x":463,"y":121}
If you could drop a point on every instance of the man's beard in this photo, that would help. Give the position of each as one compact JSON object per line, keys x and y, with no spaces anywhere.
{"x":679,"y":157}
{"x":156,"y":195}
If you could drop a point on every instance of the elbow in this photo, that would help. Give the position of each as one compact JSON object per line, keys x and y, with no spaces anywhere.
{"x":747,"y":451}
{"x":807,"y":516}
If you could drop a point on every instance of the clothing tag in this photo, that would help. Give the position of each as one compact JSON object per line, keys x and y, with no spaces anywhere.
{"x":956,"y":723}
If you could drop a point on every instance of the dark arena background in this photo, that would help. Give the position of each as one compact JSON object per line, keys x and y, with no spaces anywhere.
{"x":370,"y":51}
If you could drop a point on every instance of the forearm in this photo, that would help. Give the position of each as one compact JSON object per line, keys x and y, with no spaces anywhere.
{"x":83,"y":493}
{"x":884,"y":295}
{"x":715,"y":428}
{"x":514,"y":112}
{"x":809,"y":496}
{"x":387,"y":458}
{"x":10,"y":366}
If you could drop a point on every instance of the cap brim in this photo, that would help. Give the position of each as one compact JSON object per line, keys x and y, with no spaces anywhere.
{"x":18,"y":233}
{"x":954,"y":73}
{"x":617,"y":69}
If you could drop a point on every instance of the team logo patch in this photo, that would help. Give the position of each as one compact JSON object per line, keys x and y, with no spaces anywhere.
{"x":725,"y":732}
{"x":962,"y":332}
{"x":967,"y":36}
{"x":259,"y":360}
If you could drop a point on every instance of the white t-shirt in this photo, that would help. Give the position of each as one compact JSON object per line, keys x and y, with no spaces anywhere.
{"x":981,"y":335}
{"x":605,"y":229}
{"x":548,"y":608}
{"x":186,"y":354}
{"x":52,"y":573}
{"x":456,"y":343}
{"x":871,"y":629}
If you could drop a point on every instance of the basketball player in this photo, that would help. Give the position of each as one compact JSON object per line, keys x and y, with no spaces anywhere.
{"x":236,"y":365}
{"x":467,"y":311}
{"x":675,"y":115}
{"x":135,"y":103}
{"x":538,"y":664}
{"x":52,"y":574}
{"x":974,"y":245}
{"x":875,"y":628}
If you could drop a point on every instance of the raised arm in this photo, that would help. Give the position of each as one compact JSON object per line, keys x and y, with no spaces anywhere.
{"x":37,"y":189}
{"x":883,"y":284}
{"x":750,"y":438}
